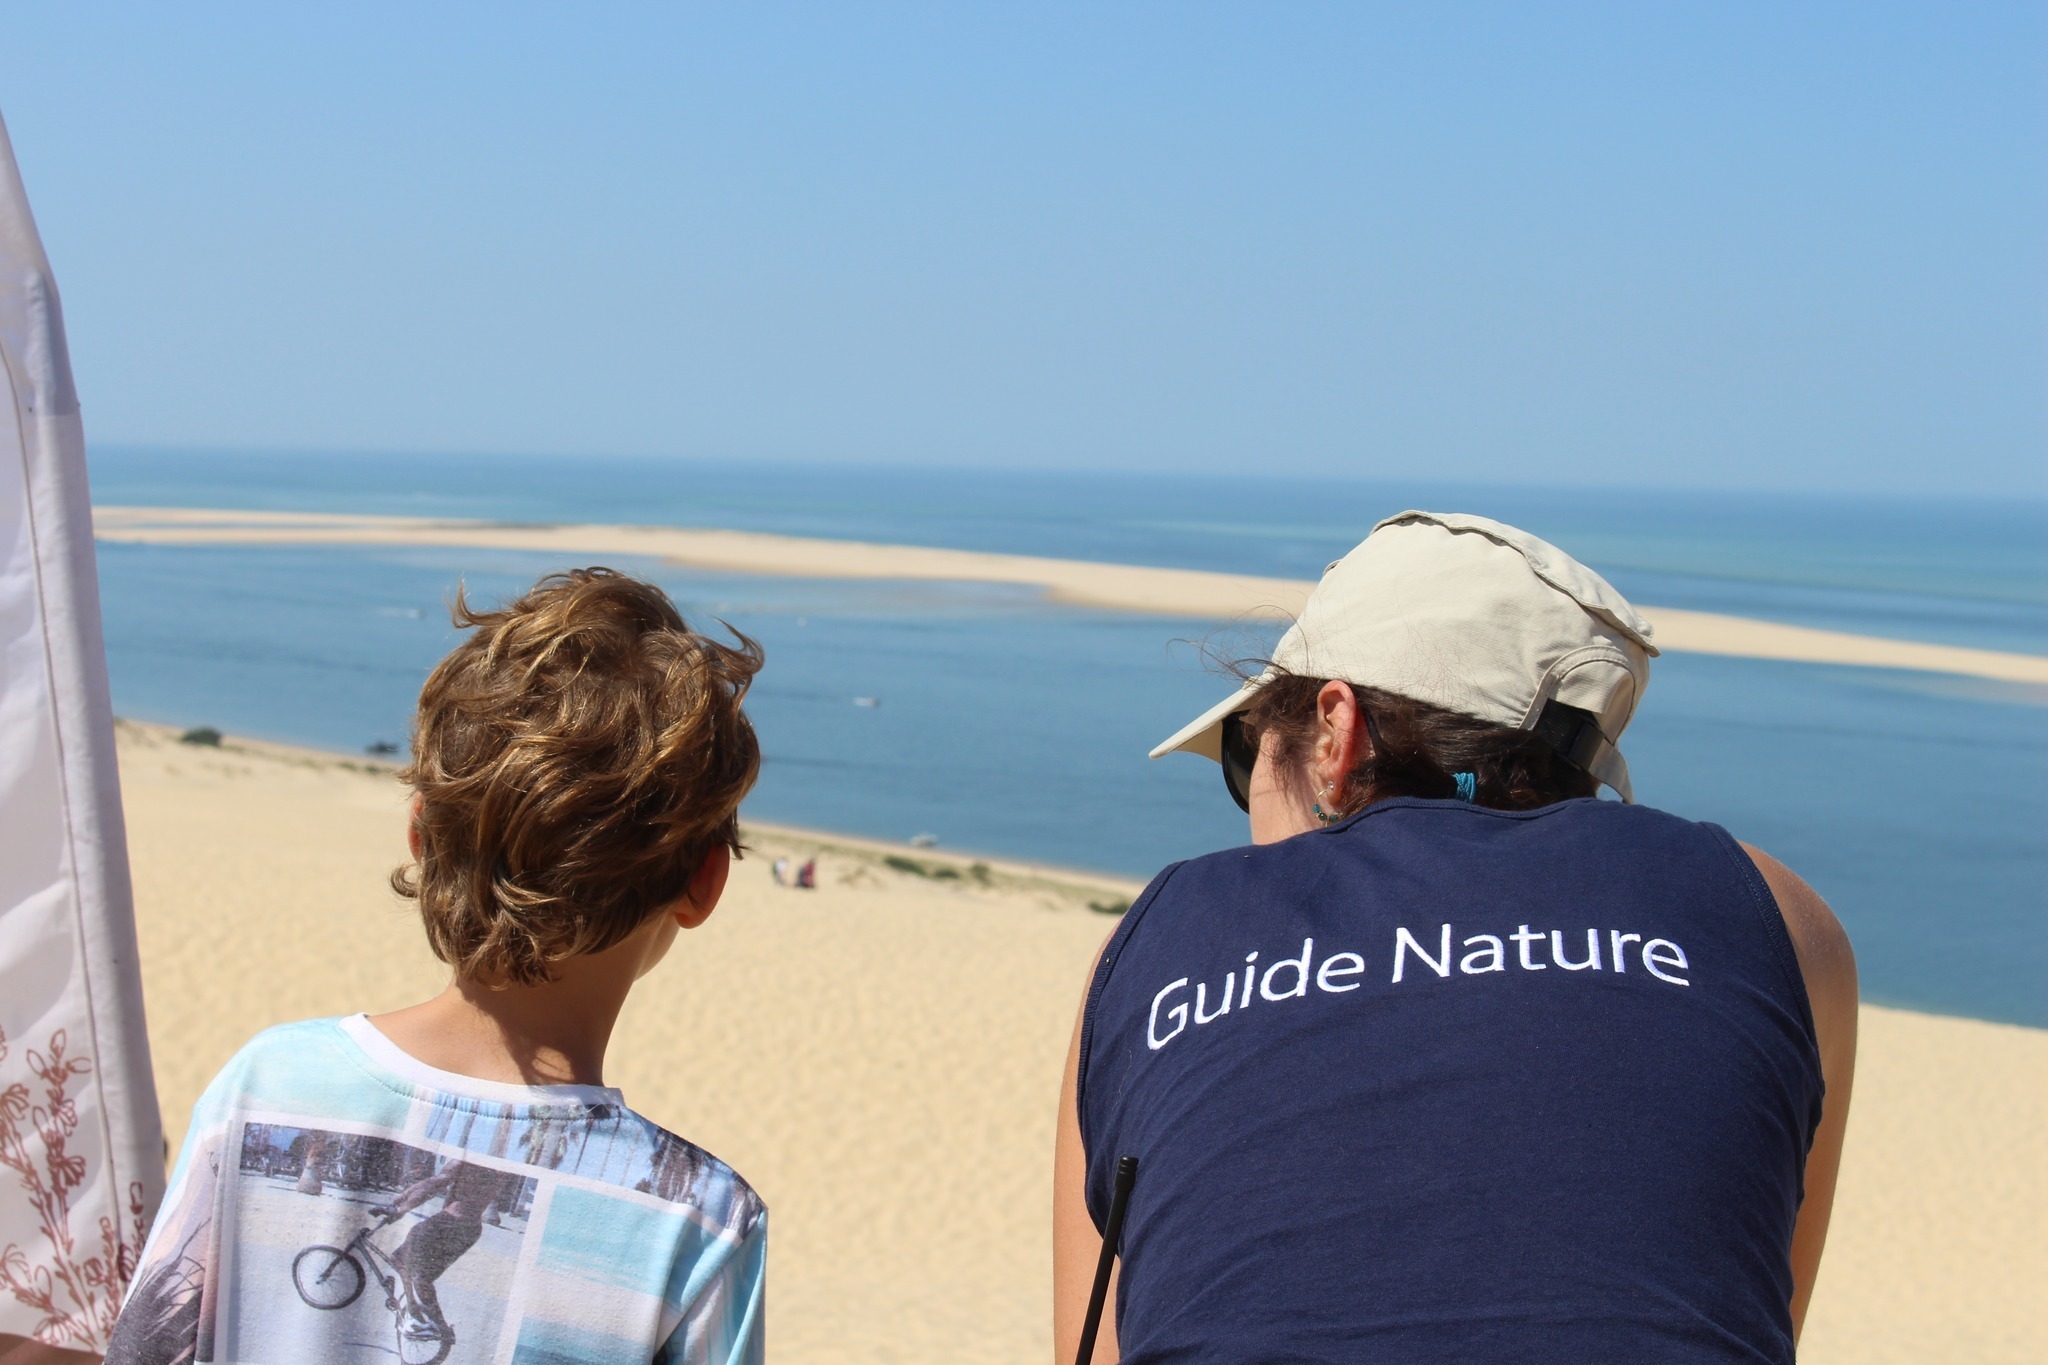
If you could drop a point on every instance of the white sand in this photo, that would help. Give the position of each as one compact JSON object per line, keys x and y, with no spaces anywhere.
{"x":881,"y":1058}
{"x":1119,"y":587}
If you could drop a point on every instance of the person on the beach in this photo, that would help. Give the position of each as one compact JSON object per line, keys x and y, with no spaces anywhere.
{"x":467,"y":1193}
{"x":1455,"y":1061}
{"x":578,"y":764}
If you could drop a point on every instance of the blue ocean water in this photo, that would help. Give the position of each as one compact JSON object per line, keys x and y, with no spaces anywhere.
{"x":1916,"y":803}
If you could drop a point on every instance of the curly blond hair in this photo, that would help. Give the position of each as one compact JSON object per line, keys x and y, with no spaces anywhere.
{"x":575,"y":760}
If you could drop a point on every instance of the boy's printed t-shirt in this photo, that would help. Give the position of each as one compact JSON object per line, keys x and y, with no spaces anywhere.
{"x":534,"y":1225}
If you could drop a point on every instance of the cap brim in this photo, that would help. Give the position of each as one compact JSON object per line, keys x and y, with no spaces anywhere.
{"x":1204,"y":734}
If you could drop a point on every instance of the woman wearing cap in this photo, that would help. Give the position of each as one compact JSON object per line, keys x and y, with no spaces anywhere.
{"x":1456,"y":1062}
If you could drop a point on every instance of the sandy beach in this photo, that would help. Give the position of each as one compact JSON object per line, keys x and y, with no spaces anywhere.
{"x":880,"y":1057}
{"x":1115,"y":587}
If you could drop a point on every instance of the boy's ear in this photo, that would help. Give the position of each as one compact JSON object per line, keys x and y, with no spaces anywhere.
{"x":707,"y":884}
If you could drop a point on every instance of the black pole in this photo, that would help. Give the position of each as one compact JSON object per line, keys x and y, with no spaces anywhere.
{"x":1112,"y":1231}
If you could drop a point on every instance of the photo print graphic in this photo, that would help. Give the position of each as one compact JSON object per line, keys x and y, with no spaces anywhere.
{"x":600,"y":1142}
{"x":430,"y":1240}
{"x":439,"y":1246}
{"x":348,"y":1247}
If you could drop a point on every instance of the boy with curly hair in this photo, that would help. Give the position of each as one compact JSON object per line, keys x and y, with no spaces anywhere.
{"x":578,"y":765}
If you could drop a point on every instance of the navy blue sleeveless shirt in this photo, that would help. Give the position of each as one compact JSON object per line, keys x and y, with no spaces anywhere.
{"x":1442,"y":1082}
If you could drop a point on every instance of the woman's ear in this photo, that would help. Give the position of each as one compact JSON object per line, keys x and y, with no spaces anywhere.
{"x":707,"y":884}
{"x":412,"y":827}
{"x":1341,"y":739}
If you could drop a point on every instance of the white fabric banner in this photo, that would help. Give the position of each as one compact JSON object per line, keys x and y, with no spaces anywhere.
{"x":81,"y":1144}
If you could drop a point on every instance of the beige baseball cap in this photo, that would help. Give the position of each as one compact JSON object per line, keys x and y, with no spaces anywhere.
{"x":1475,"y":617}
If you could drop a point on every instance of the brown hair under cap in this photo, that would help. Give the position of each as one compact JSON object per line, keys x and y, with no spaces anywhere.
{"x":576,"y":758}
{"x":1417,"y":749}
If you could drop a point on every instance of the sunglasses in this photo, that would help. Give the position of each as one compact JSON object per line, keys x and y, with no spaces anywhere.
{"x":1240,"y":756}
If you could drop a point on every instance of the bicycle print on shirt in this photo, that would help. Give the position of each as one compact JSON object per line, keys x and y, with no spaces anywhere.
{"x":446,"y":1229}
{"x":433,"y":1239}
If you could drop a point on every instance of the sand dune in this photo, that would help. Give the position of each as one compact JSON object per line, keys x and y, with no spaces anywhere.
{"x":881,"y":1057}
{"x":1118,"y":587}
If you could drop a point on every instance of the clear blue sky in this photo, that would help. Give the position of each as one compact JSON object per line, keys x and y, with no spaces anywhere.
{"x":1661,"y":243}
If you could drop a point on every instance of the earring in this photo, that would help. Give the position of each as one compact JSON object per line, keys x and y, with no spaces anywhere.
{"x":1327,"y":817}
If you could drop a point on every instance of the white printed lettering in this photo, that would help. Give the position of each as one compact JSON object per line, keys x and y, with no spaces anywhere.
{"x":1300,"y":965}
{"x":1288,"y":978}
{"x":1202,"y":999}
{"x":1330,"y":969}
{"x":1404,"y":943}
{"x":1652,"y":959}
{"x":1592,"y":958}
{"x":1178,"y":1012}
{"x":1495,"y":950}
